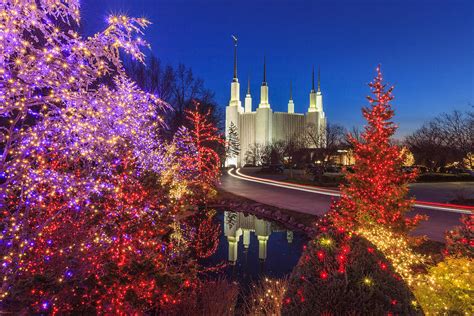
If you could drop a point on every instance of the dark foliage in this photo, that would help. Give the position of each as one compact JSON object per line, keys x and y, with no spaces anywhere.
{"x":445,"y":139}
{"x":177,"y":86}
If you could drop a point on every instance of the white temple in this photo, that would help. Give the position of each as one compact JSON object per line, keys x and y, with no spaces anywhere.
{"x":264,"y":126}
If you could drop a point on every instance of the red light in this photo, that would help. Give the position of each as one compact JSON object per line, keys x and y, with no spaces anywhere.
{"x":323,"y":275}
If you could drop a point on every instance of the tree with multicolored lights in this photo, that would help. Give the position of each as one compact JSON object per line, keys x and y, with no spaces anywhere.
{"x":376,"y":192}
{"x":86,"y":205}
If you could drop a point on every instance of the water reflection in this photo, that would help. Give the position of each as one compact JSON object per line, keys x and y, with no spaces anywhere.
{"x":239,"y":224}
{"x":254,"y":247}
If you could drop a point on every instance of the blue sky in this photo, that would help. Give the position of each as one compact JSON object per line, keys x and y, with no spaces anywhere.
{"x":425,"y":48}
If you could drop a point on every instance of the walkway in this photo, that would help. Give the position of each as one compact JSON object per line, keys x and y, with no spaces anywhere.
{"x":311,"y":200}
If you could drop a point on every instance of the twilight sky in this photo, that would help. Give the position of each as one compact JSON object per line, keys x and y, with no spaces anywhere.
{"x":426,"y":48}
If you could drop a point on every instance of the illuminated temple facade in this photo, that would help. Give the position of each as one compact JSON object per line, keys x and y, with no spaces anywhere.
{"x":263,"y":125}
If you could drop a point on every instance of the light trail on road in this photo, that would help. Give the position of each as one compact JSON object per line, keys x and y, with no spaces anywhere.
{"x":461,"y":209}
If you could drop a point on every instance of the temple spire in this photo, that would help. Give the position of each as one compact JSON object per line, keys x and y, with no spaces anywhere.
{"x":235,"y":57}
{"x":248,"y":98}
{"x":319,"y":79}
{"x":264,"y":88}
{"x":264,"y":83}
{"x":291,"y":92}
{"x":235,"y":85}
{"x":312,"y":80}
{"x":291,"y":104}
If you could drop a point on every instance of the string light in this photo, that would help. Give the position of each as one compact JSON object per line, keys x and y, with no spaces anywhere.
{"x":396,"y":249}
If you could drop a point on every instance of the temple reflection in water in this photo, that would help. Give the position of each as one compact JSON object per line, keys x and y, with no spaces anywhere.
{"x":237,"y":225}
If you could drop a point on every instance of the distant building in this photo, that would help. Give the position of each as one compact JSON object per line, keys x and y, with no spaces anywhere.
{"x":264,"y":126}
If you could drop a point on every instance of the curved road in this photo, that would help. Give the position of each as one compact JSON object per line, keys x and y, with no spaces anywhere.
{"x":307,"y":199}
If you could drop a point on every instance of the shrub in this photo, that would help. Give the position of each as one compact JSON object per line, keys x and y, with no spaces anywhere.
{"x":341,"y":274}
{"x":447,"y":289}
{"x":330,"y":179}
{"x":460,"y":240}
{"x":211,"y":297}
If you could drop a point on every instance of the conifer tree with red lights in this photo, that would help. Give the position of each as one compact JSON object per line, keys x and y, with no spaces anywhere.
{"x":205,"y":137}
{"x":376,"y":192}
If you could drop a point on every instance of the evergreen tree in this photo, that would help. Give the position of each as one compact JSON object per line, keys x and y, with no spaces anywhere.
{"x":376,"y":193}
{"x":233,"y":142}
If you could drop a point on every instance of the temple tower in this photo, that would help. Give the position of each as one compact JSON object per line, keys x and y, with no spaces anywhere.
{"x":264,"y":88}
{"x":312,"y":95}
{"x":319,"y":96}
{"x":291,"y":104}
{"x":248,"y":99}
{"x":233,"y":110}
{"x":315,"y":115}
{"x":263,"y":119}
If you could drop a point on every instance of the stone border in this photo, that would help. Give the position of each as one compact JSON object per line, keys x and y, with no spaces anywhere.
{"x":267,"y":212}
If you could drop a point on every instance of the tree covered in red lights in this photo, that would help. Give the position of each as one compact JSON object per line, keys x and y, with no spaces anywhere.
{"x":110,"y":257}
{"x":376,"y":192}
{"x":205,"y":139}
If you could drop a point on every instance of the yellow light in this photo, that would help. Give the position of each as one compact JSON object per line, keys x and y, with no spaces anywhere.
{"x":367,"y":281}
{"x":325,"y":241}
{"x":395,"y":248}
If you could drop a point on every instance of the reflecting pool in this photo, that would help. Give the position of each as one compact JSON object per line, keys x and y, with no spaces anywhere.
{"x":255,"y":247}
